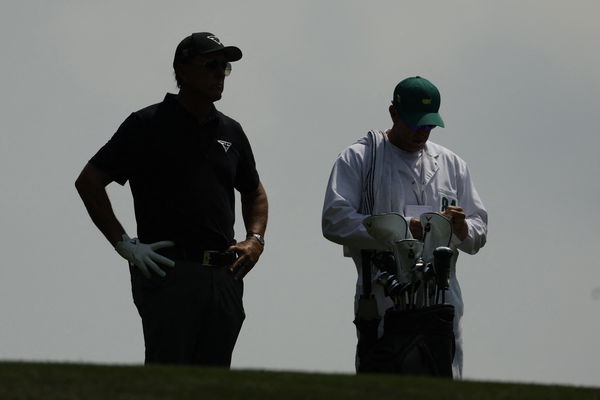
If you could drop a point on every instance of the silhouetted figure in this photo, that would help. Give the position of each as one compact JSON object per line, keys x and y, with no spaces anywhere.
{"x":183,"y":159}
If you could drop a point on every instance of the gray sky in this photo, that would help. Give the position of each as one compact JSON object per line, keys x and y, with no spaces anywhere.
{"x":520,"y":84}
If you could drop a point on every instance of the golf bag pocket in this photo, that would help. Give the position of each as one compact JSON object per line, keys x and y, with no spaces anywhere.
{"x":414,"y":342}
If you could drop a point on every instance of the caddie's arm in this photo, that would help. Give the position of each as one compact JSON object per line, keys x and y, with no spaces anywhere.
{"x":341,"y":222}
{"x":469,"y":217}
{"x":255,"y":211}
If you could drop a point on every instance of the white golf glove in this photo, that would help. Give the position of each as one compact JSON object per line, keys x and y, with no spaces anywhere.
{"x":143,"y":255}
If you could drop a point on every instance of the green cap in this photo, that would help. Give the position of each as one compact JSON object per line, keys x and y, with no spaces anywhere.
{"x":417,"y":101}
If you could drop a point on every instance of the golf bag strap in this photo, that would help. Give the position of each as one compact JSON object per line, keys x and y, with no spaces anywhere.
{"x":366,"y":272}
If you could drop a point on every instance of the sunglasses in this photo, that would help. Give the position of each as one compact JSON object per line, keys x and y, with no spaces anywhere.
{"x":213,"y":65}
{"x":417,"y":127}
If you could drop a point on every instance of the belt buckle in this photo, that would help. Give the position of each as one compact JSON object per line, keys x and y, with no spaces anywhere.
{"x":207,"y":256}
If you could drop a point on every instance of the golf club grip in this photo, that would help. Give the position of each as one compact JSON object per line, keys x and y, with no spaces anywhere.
{"x":441,"y":261}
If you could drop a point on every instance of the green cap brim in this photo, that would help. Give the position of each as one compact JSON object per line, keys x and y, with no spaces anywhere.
{"x":417,"y":118}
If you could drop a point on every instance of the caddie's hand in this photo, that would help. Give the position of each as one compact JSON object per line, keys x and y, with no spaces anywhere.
{"x":248,"y":252}
{"x":143,"y":255}
{"x":416,"y":229}
{"x":459,"y":223}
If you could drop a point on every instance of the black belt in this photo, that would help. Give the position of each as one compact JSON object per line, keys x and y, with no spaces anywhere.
{"x":210,"y":258}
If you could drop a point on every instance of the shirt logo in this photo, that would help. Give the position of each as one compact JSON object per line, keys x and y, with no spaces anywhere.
{"x":226,"y":145}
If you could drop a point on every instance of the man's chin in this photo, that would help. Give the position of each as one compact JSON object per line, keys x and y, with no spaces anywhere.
{"x":217,"y":96}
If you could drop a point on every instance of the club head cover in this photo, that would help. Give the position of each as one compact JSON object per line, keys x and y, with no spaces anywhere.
{"x":387,"y":228}
{"x":406,"y":252}
{"x":437,"y":232}
{"x":441,"y":260}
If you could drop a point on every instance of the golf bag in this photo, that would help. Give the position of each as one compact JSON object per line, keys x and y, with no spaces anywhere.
{"x":414,"y":342}
{"x":418,"y":334}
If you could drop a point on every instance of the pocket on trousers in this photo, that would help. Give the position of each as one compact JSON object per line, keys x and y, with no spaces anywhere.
{"x":234,"y":290}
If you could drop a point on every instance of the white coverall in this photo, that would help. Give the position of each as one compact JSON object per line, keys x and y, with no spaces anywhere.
{"x":444,"y":180}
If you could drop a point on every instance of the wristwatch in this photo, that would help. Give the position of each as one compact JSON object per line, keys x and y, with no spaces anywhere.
{"x":257,"y":236}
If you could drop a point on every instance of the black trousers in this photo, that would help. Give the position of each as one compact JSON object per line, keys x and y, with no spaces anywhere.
{"x":192,"y":316}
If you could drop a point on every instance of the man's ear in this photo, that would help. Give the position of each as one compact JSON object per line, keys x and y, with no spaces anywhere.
{"x":393,"y":113}
{"x":181,"y":71}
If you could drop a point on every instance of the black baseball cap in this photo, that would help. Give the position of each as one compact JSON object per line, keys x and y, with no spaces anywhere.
{"x":418,"y":101}
{"x":203,"y":43}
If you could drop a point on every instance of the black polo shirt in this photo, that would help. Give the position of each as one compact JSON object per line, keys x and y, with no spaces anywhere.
{"x":182,"y":173}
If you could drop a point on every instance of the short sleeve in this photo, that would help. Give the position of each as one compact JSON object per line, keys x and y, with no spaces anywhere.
{"x":120,"y":156}
{"x":246,"y":179}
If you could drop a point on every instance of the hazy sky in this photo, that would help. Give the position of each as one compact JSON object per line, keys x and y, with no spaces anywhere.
{"x":520,"y":85}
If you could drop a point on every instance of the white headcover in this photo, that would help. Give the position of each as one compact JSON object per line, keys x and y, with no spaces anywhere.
{"x":406,"y":253}
{"x":387,"y":228}
{"x":437,"y":231}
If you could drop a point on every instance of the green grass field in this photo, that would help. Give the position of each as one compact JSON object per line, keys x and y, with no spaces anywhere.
{"x":80,"y":381}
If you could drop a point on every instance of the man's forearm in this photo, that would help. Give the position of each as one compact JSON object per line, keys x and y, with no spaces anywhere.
{"x":99,"y":208}
{"x":255,"y":210}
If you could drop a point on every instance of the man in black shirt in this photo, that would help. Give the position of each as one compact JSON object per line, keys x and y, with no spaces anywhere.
{"x":183,"y":159}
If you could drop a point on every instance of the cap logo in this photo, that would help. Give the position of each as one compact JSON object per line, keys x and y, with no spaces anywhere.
{"x":426,"y":101}
{"x":398,"y":98}
{"x":214,"y":39}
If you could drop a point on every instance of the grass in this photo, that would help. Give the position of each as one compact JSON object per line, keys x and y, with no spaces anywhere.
{"x":50,"y":381}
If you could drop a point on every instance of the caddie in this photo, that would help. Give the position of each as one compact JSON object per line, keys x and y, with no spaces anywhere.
{"x":400,"y":170}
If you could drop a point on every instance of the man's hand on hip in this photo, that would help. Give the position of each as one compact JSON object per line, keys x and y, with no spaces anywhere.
{"x":143,"y":255}
{"x":248,"y":253}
